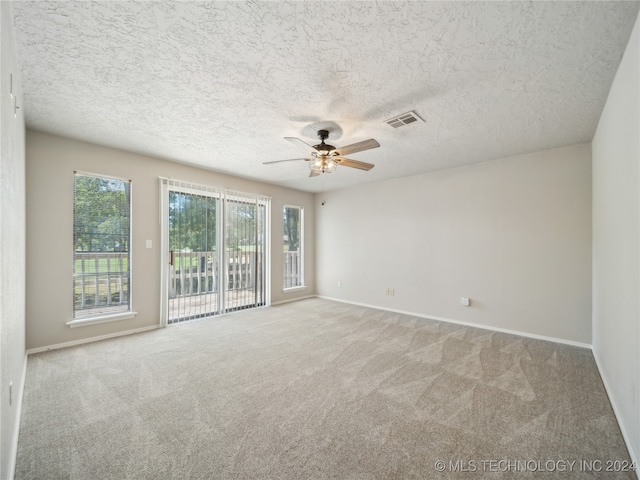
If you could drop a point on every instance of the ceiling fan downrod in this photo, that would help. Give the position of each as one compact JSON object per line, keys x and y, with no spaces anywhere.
{"x":323,"y":135}
{"x":322,"y":148}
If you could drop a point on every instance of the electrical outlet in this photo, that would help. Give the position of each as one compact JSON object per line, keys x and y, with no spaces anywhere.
{"x":339,"y":284}
{"x":465,"y":302}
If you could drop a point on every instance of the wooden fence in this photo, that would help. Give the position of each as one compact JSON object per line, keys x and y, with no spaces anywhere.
{"x":292,"y":269}
{"x":100,"y":279}
{"x":196,"y":273}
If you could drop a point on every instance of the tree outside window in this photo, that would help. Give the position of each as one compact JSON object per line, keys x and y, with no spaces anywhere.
{"x":292,"y":241}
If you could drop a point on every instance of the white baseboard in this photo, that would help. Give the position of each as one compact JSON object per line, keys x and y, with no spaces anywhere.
{"x":466,"y":324}
{"x":91,"y":339}
{"x":616,"y":412}
{"x":293,"y":299}
{"x":16,"y":431}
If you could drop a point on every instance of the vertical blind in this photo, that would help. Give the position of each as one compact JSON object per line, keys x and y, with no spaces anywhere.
{"x":193,"y":255}
{"x":217,"y":250}
{"x":245,"y":227}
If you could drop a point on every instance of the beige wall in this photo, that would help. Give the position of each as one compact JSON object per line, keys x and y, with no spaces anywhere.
{"x":51,"y":161}
{"x":514,"y":235}
{"x":12,"y":250}
{"x":616,"y":243}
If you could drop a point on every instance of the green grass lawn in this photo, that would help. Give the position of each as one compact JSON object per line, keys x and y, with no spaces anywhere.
{"x":114,"y":265}
{"x":101,"y":265}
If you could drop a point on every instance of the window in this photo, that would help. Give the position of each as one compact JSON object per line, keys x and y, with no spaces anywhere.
{"x":293,"y":241}
{"x":101,"y":246}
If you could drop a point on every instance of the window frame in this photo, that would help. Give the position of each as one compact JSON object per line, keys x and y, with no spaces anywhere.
{"x":103,"y":317}
{"x":302,"y":285}
{"x":167,"y":185}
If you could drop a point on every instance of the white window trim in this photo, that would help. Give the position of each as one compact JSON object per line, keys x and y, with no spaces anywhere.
{"x":82,"y":322}
{"x":101,"y":175}
{"x":294,"y":289}
{"x":302,"y":278}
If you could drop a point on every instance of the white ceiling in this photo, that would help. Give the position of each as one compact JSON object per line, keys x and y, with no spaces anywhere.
{"x":219,"y":84}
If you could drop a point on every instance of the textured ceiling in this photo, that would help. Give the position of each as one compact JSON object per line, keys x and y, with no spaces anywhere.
{"x":219,"y":84}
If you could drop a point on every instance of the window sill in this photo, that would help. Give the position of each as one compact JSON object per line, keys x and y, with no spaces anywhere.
{"x":294,"y":289}
{"x":101,"y":319}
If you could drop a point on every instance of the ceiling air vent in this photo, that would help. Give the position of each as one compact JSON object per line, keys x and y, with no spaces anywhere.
{"x":403,"y":119}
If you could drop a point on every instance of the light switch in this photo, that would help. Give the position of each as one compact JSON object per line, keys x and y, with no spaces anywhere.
{"x":148,"y":243}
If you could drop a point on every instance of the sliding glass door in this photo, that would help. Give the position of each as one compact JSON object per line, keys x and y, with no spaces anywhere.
{"x":216,"y":252}
{"x":193,"y":258}
{"x":244,"y":252}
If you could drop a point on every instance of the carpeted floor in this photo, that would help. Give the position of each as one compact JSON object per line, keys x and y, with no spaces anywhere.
{"x":317,"y":390}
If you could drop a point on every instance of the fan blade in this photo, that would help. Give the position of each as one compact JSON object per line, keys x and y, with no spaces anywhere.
{"x":358,"y":147}
{"x":347,"y":162}
{"x":314,"y":174}
{"x":299,"y":143}
{"x":288,"y":160}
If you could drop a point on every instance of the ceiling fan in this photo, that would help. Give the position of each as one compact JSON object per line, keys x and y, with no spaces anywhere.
{"x":325,"y":158}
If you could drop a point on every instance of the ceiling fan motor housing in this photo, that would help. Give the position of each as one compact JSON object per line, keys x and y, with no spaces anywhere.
{"x":323,"y":135}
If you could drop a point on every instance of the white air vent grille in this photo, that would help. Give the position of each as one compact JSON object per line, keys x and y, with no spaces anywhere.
{"x":403,"y":119}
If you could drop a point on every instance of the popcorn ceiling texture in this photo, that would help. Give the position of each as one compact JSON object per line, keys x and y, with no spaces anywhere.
{"x":218,"y":84}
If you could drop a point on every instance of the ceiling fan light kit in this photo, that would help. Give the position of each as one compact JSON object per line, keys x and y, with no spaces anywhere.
{"x":321,"y":164}
{"x":321,"y":159}
{"x":325,"y":158}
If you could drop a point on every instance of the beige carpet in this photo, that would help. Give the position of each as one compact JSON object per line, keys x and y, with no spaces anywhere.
{"x":317,"y":390}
